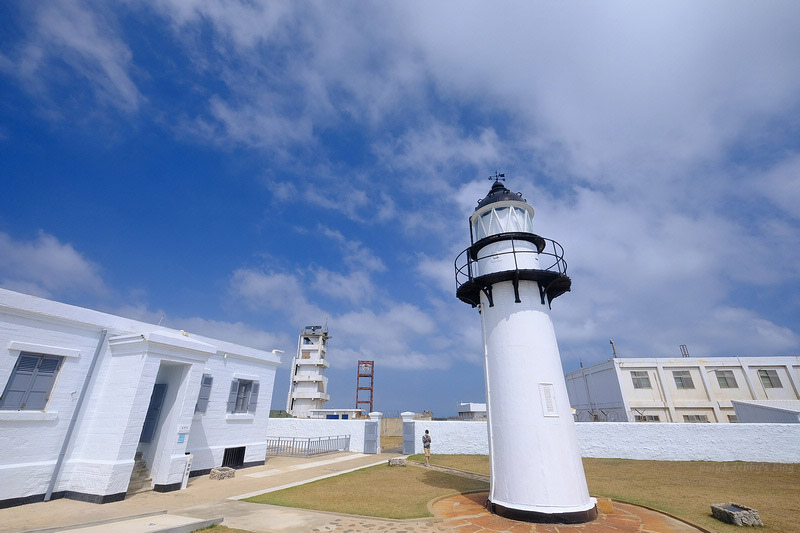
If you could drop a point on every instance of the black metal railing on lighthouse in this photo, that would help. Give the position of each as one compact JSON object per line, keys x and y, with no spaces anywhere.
{"x":551,"y":273}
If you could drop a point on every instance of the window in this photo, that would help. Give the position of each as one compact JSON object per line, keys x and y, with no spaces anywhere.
{"x":732,"y":419}
{"x":695,"y":418}
{"x":726,"y":379}
{"x":683,"y":379}
{"x":647,"y":418}
{"x":243,"y":396}
{"x":31,"y":382}
{"x":205,"y":393}
{"x":306,"y":340}
{"x":770,"y":379}
{"x":640,"y":379}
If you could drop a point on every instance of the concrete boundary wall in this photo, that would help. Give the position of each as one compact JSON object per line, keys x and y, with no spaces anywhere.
{"x":313,"y":427}
{"x":769,"y":443}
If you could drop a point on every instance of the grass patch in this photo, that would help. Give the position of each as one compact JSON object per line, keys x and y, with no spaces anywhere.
{"x":688,"y":488}
{"x":683,"y":488}
{"x":471,"y":463}
{"x":381,"y":491}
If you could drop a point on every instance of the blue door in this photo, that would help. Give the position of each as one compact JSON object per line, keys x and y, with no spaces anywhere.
{"x":153,"y":412}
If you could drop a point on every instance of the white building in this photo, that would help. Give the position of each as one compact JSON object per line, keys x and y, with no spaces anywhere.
{"x":471,"y":411}
{"x":91,"y":401}
{"x":336,"y":414}
{"x":308,"y":385}
{"x":685,"y":389}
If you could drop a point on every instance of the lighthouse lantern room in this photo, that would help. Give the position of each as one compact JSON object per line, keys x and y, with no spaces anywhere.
{"x":513,"y":275}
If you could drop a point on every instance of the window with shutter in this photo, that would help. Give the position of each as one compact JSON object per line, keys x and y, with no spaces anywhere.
{"x":205,"y":393}
{"x":232,"y":394}
{"x":31,"y":382}
{"x":243,"y":396}
{"x":251,"y":407}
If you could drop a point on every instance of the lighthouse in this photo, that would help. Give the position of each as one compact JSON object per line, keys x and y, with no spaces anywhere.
{"x":512,"y":275}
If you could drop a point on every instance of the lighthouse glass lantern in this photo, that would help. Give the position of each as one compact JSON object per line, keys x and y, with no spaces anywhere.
{"x":512,"y":275}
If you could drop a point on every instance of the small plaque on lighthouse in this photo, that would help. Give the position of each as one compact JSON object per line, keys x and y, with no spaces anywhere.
{"x":548,"y":399}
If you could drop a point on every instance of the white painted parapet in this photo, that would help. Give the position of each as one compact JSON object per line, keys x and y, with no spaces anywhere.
{"x":311,"y":427}
{"x":765,"y":443}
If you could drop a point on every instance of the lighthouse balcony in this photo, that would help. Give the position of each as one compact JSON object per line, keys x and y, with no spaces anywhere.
{"x":511,"y":257}
{"x":310,"y":378}
{"x":313,"y":362}
{"x":310,"y":395}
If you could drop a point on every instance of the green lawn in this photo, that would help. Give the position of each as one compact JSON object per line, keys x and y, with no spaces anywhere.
{"x":382,"y":491}
{"x":683,"y":488}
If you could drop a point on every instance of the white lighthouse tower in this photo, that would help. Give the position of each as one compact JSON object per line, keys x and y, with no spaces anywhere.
{"x":512,"y":275}
{"x":308,"y":386}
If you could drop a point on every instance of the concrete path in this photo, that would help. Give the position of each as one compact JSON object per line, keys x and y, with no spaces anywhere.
{"x":206,"y":501}
{"x":204,"y":498}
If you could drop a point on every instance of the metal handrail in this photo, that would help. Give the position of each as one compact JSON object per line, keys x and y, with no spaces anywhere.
{"x":307,"y":446}
{"x":464,"y":262}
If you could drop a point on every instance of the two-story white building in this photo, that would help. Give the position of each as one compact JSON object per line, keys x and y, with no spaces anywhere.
{"x":94,"y":403}
{"x":685,"y":389}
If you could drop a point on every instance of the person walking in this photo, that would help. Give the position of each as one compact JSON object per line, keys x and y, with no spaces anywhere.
{"x":426,"y":444}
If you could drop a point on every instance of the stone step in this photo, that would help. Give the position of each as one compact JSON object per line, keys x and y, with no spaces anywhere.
{"x":139,"y":485}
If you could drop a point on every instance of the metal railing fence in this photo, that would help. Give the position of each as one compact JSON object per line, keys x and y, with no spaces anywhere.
{"x":307,"y":446}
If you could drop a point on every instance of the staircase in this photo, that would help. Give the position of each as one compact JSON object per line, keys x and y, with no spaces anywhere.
{"x":140,"y":480}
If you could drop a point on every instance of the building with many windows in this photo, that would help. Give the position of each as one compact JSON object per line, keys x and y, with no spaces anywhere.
{"x":96,"y":406}
{"x":308,"y":386}
{"x":686,"y":389}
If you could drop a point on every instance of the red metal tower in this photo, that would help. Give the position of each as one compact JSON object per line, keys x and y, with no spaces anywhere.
{"x":364,"y":379}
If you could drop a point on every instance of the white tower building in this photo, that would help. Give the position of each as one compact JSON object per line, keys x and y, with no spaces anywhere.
{"x":512,"y":275}
{"x":308,"y":386}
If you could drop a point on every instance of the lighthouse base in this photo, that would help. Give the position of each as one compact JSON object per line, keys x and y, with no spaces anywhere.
{"x":573,"y":517}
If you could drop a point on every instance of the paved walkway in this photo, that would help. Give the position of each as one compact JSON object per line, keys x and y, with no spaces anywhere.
{"x":207,"y":499}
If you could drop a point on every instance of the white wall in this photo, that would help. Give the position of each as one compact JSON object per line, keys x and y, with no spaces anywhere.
{"x":311,"y":427}
{"x":216,"y":429}
{"x":769,"y":443}
{"x":453,"y":436}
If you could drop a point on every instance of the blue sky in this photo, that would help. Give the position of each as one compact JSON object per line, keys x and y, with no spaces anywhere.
{"x":248,"y":168}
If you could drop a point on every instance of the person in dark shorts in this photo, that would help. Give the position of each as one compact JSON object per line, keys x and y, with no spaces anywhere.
{"x":426,"y":444}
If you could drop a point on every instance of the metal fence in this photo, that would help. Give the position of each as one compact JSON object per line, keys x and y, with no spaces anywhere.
{"x":307,"y":446}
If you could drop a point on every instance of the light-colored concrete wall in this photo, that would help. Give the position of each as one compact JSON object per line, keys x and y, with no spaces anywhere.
{"x":391,"y":427}
{"x":311,"y":427}
{"x":595,"y":391}
{"x":750,"y":413}
{"x":769,"y":443}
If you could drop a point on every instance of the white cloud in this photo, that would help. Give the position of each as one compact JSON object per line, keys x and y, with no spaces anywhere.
{"x":438,"y":271}
{"x":354,"y":287}
{"x":781,"y":185}
{"x":236,"y":332}
{"x":354,"y":253}
{"x":71,"y":33}
{"x":275,"y":292}
{"x":47,"y":267}
{"x":440,"y":148}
